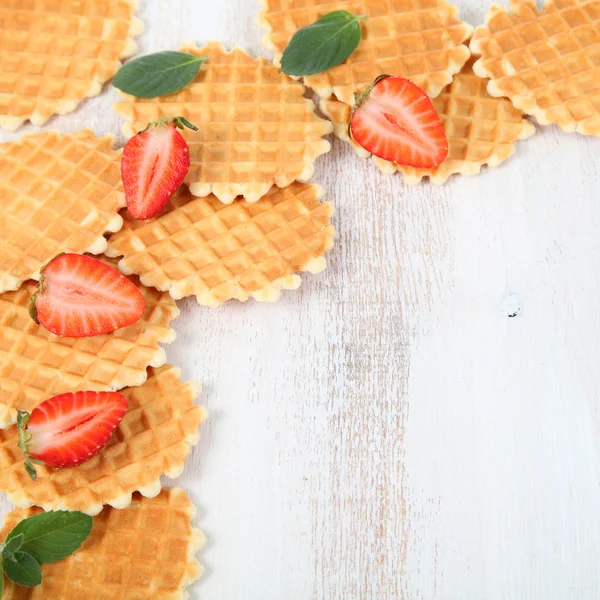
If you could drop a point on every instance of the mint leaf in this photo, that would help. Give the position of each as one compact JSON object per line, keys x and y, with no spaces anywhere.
{"x":43,"y":538}
{"x":158,"y":74}
{"x":322,"y":45}
{"x":52,"y":536}
{"x":13,"y":544}
{"x":23,"y":569}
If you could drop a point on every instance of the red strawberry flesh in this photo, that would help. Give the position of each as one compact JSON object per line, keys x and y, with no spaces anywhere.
{"x":71,"y":428}
{"x":81,"y":296}
{"x":396,"y":121}
{"x":154,"y":164}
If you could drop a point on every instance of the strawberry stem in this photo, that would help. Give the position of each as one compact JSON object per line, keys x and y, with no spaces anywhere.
{"x":360,"y":98}
{"x":178,"y":122}
{"x":33,"y":308}
{"x":41,"y":289}
{"x":24,"y":438}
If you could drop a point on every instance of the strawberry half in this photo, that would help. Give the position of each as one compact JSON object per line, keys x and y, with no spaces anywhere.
{"x":69,"y":429}
{"x":154,"y":164}
{"x":395,"y":120}
{"x":80,"y":296}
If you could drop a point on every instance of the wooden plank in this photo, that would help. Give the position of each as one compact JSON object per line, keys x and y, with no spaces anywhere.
{"x":386,"y":432}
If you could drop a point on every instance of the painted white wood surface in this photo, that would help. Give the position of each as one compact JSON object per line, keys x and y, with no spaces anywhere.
{"x":386,"y":432}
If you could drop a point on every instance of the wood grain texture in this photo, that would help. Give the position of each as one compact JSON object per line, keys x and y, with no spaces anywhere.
{"x":385,"y":432}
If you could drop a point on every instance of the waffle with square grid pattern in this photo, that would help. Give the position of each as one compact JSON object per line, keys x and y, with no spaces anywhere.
{"x":547,"y":62}
{"x":58,"y":193}
{"x":204,"y":248}
{"x":255,"y":127}
{"x":481,"y":130}
{"x":153,"y":439}
{"x":56,"y":53}
{"x":147,"y":550}
{"x":421,"y":40}
{"x":36,"y":364}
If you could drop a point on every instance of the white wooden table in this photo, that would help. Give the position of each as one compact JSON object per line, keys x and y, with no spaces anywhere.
{"x":387,"y":432}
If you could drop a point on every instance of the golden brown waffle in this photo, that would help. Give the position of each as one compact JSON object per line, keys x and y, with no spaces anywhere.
{"x":145,"y":551}
{"x":36,"y":364}
{"x":421,"y":40}
{"x":217,"y":252}
{"x":481,"y":130}
{"x":153,"y":439}
{"x":58,"y":193}
{"x":54,"y":54}
{"x":255,"y":128}
{"x":547,"y":63}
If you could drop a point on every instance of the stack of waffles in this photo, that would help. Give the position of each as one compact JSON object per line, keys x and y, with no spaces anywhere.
{"x":525,"y":62}
{"x":242,"y":226}
{"x":64,"y":193}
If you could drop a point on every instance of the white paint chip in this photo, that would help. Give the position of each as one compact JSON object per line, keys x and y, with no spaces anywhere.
{"x":511,"y":305}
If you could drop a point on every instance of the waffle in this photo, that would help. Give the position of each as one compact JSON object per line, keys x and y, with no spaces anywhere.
{"x":256,"y":128}
{"x":481,"y":130}
{"x":153,"y":439}
{"x":58,"y":193}
{"x":36,"y":364}
{"x":146,"y":550}
{"x":547,"y":63}
{"x":217,"y":252}
{"x":421,"y":40}
{"x":54,"y":54}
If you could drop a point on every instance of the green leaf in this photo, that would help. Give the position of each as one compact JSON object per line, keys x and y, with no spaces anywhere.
{"x":322,"y":45}
{"x":23,"y":569}
{"x":182,"y":123}
{"x":30,"y":469}
{"x":1,"y":577}
{"x":158,"y":74}
{"x":52,"y":536}
{"x":13,"y":544}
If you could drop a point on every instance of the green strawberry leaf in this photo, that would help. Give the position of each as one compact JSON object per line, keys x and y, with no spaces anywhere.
{"x":158,"y":74}
{"x":13,"y":545}
{"x":1,"y":577}
{"x":322,"y":45}
{"x":179,"y":122}
{"x":24,"y":437}
{"x":51,"y":536}
{"x":23,"y":569}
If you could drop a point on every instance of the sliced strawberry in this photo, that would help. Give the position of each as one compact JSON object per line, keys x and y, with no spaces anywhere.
{"x":69,"y":429}
{"x":80,"y":296}
{"x":154,"y":164}
{"x":395,"y":120}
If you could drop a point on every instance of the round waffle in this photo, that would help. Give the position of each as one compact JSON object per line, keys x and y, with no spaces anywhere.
{"x":255,"y":128}
{"x":217,"y":252}
{"x":481,"y":130}
{"x":153,"y":439}
{"x":547,"y":62}
{"x":147,"y":550}
{"x":58,"y":193}
{"x":54,"y":54}
{"x":36,"y":364}
{"x":421,"y":40}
